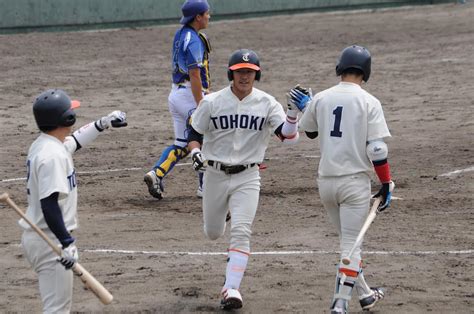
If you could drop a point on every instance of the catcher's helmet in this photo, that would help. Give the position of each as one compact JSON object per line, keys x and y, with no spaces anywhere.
{"x":244,"y":59}
{"x":191,"y":8}
{"x":356,"y":57}
{"x":54,"y":108}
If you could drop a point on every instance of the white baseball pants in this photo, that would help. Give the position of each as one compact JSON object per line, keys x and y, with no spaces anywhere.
{"x":181,"y":105}
{"x":238,"y":193}
{"x":347,"y":200}
{"x":55,"y":282}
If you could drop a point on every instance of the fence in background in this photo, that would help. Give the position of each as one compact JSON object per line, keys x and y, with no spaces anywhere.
{"x":37,"y":15}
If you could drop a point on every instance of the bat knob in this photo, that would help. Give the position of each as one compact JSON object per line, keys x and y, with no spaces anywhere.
{"x":346,"y":261}
{"x":3,"y":197}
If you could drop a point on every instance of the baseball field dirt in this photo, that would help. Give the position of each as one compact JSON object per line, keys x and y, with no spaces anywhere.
{"x":153,"y":256}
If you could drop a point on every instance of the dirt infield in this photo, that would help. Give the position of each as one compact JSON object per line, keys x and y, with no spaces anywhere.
{"x":421,"y":249}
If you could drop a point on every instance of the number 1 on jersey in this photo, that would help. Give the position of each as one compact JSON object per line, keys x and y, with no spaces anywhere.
{"x":336,"y":132}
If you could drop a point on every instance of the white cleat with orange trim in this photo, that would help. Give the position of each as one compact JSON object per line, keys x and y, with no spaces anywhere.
{"x":231,"y":299}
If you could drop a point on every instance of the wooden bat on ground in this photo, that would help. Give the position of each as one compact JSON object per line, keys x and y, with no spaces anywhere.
{"x":372,"y":213}
{"x":89,"y":281}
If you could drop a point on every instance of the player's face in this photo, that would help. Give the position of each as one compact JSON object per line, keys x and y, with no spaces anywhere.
{"x":243,"y":81}
{"x":204,"y":19}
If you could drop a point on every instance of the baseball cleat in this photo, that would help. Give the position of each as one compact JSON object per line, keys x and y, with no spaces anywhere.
{"x":231,"y":299}
{"x":370,"y":301}
{"x":199,"y":192}
{"x":155,"y":186}
{"x":339,"y":306}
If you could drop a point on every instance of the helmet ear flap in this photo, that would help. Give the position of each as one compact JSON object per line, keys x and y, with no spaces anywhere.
{"x":258,"y":75}
{"x":68,"y":118}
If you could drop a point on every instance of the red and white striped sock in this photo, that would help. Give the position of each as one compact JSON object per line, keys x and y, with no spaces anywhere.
{"x":236,"y":265}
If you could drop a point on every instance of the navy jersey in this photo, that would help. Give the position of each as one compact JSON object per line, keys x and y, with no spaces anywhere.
{"x":190,"y":50}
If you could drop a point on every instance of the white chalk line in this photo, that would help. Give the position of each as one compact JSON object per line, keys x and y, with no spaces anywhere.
{"x":311,"y":252}
{"x":139,"y":168}
{"x":305,"y":252}
{"x":448,"y":174}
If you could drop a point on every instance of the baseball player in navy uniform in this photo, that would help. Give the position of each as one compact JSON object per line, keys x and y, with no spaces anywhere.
{"x":351,"y":128}
{"x":191,"y":80}
{"x":52,"y":193}
{"x":234,"y":126}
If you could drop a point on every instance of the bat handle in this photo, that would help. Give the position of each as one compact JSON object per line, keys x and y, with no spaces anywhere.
{"x":6,"y":199}
{"x":370,"y":217}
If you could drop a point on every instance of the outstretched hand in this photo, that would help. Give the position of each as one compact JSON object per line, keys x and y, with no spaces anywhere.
{"x":298,"y":98}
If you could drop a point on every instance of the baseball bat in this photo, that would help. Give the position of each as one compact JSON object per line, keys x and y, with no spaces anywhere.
{"x":87,"y":279}
{"x":372,"y":213}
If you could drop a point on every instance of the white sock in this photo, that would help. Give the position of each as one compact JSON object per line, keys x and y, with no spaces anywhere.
{"x":236,"y":266}
{"x":362,"y":288}
{"x":344,"y":291}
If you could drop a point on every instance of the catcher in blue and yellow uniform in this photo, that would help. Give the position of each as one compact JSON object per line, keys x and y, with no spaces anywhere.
{"x":190,"y":64}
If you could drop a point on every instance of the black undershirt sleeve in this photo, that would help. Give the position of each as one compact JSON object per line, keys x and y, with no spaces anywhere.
{"x":54,"y":219}
{"x":194,"y":136}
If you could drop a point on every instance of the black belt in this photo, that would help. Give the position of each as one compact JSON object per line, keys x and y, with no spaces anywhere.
{"x":229,"y":169}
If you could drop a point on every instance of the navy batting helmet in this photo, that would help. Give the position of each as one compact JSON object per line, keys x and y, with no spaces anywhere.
{"x":54,"y":108}
{"x":355,"y":57}
{"x":191,"y":8}
{"x":244,"y":59}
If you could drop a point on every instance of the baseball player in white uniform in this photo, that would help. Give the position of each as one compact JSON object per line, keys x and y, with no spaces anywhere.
{"x":52,"y":193}
{"x":351,"y":128}
{"x":234,"y":126}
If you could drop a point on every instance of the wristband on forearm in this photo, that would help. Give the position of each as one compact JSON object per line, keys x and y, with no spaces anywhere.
{"x":382,"y":169}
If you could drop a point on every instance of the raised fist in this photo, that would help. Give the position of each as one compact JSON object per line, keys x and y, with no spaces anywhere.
{"x":116,"y":119}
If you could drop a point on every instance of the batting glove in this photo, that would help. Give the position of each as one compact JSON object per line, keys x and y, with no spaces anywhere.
{"x":386,"y":194}
{"x":69,"y":256}
{"x":198,"y":160}
{"x":116,"y":119}
{"x":298,"y":98}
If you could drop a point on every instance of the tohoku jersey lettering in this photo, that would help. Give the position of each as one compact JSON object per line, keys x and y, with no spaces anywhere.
{"x":346,"y":118}
{"x":50,"y":169}
{"x":237,"y":131}
{"x":236,"y":121}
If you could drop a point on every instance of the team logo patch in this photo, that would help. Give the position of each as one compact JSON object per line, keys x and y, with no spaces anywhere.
{"x":245,"y":56}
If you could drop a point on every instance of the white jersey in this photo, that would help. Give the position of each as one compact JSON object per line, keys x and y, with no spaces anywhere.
{"x":346,"y":118}
{"x":51,"y":169}
{"x":237,"y":131}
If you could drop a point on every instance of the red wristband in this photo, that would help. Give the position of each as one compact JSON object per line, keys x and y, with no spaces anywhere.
{"x":383,"y":171}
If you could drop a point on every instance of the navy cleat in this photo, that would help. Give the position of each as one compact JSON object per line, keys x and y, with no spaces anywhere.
{"x":370,"y":301}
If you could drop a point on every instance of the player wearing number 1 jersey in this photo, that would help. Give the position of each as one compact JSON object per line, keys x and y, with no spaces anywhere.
{"x":351,"y":128}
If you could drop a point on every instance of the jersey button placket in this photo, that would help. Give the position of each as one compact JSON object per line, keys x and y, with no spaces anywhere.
{"x":237,"y":133}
